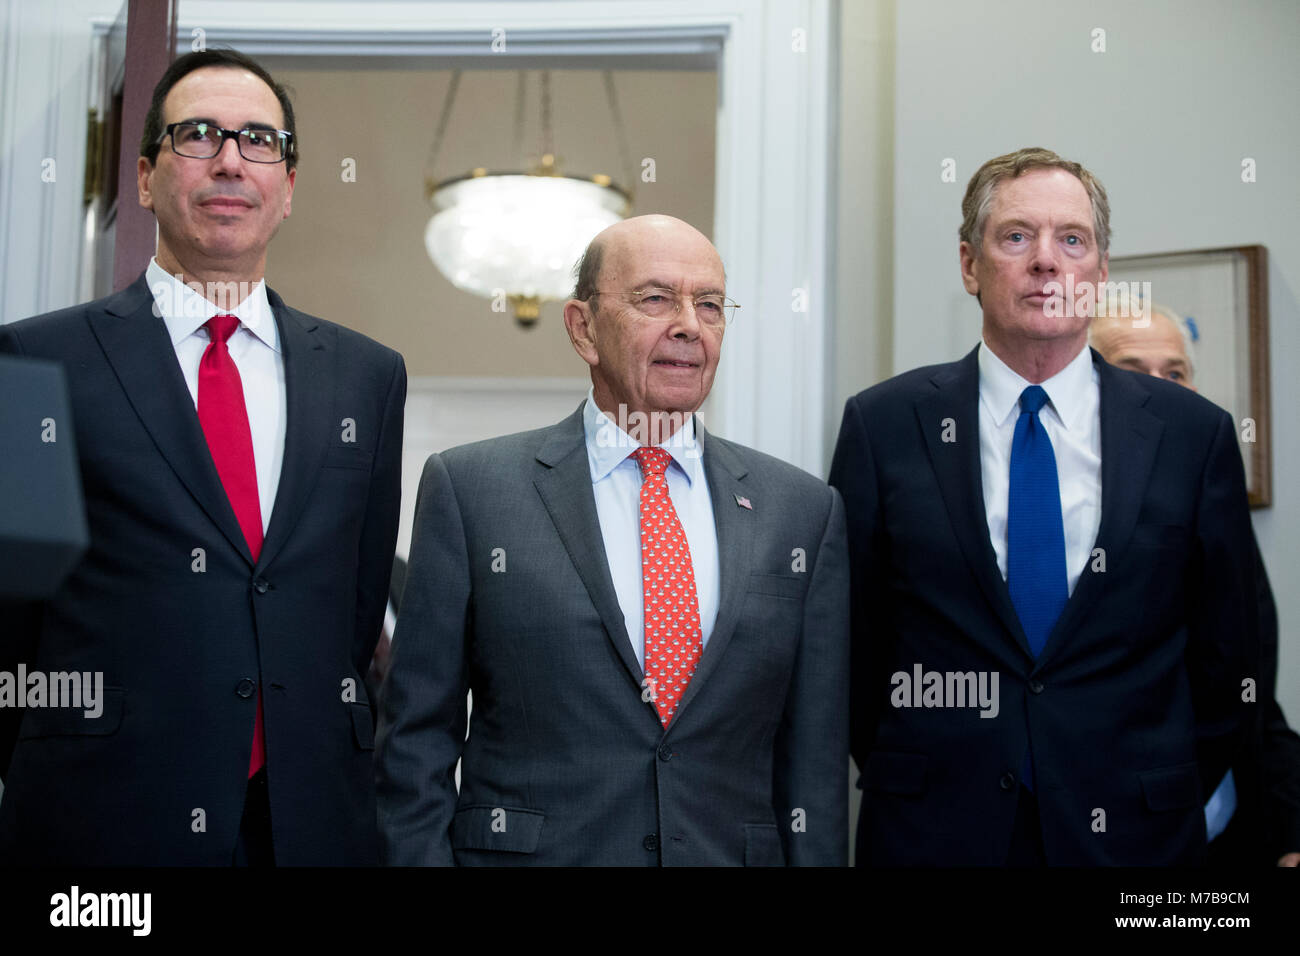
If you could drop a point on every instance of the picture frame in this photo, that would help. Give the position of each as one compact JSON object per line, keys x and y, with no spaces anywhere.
{"x":1222,"y":296}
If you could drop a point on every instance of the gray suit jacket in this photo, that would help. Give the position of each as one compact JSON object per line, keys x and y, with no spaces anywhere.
{"x":509,"y":596}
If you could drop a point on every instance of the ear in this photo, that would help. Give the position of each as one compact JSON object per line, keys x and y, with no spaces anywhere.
{"x":288,"y":196}
{"x":966,"y":256}
{"x":580,"y":323}
{"x":1105,"y":266}
{"x":143,"y":175}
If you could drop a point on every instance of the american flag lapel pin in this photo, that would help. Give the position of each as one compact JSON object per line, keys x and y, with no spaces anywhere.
{"x":744,"y":502}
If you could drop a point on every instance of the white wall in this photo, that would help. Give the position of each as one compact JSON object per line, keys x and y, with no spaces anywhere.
{"x":445,"y":411}
{"x":45,"y":80}
{"x":1164,"y":117}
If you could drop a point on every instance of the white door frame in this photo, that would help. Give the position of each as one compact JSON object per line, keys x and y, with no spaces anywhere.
{"x":776,"y":143}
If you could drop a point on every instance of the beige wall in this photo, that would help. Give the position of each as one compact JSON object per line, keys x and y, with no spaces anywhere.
{"x":353,"y":252}
{"x":863,"y":255}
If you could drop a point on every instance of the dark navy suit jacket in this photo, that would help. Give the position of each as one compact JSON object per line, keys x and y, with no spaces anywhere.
{"x":1134,"y":708}
{"x":183,"y":644}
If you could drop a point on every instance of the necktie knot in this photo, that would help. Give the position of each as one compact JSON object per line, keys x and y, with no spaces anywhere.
{"x":1032,"y":399}
{"x":222,"y":327}
{"x":653,"y":461}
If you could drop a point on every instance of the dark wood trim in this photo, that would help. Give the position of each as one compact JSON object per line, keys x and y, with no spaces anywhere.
{"x":1261,"y":496}
{"x":150,"y":48}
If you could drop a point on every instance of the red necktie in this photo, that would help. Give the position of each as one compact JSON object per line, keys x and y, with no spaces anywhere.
{"x":671,"y":607}
{"x":224,"y":419}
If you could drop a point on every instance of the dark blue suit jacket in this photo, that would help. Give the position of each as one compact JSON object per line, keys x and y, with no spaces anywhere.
{"x":1134,"y":708}
{"x":160,"y":776}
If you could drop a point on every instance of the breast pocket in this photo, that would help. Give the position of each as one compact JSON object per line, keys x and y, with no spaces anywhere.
{"x":1172,"y":536}
{"x":771,"y":622}
{"x":778,"y":585}
{"x":348,"y":456}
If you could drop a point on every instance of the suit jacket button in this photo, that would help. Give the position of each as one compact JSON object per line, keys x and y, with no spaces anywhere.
{"x":651,"y":842}
{"x":665,"y":752}
{"x":1008,"y":780}
{"x":261,"y":586}
{"x":246,"y":687}
{"x":1035,"y":687}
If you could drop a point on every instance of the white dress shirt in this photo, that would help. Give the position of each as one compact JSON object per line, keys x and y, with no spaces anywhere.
{"x":255,"y":349}
{"x":1072,"y":420}
{"x":616,"y":482}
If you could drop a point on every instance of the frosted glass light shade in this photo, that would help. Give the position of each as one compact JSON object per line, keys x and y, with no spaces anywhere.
{"x":517,"y":233}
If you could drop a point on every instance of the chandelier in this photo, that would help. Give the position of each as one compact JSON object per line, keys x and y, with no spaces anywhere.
{"x":516,"y":235}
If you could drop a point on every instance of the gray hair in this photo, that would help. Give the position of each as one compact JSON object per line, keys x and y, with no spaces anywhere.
{"x":587,"y":271}
{"x":978,"y":200}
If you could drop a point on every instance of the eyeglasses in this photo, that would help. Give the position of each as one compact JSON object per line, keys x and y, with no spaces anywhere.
{"x":202,"y":141}
{"x":665,"y":304}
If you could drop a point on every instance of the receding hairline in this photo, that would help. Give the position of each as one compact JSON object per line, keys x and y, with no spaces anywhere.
{"x":616,"y":237}
{"x":1103,"y":323}
{"x":986,"y":183}
{"x":229,"y":68}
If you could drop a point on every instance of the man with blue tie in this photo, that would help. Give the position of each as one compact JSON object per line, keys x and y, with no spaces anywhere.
{"x":1073,"y":537}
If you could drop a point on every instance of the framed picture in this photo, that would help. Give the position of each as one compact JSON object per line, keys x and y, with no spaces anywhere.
{"x":1221,"y":296}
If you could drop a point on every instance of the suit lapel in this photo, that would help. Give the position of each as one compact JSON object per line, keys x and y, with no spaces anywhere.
{"x":564,"y":484}
{"x":735,"y":527}
{"x":956,"y":465}
{"x":307,"y":373}
{"x":1129,"y":438}
{"x":137,"y":346}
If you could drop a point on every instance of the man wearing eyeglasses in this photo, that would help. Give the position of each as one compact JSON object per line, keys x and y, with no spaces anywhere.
{"x":241,"y":467}
{"x":652,"y":621}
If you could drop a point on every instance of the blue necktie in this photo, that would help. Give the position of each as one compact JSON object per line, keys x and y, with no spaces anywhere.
{"x":1035,"y":532}
{"x":1036,"y":574}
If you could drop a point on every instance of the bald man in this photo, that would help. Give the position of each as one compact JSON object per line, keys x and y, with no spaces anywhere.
{"x":1160,"y":347}
{"x":653,"y":621}
{"x":1238,"y":832}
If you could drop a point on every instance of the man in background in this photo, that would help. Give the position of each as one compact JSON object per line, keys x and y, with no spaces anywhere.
{"x":1163,"y":347}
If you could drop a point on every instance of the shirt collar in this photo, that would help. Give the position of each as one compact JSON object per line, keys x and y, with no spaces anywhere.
{"x":184,"y":311}
{"x":1000,"y":387}
{"x":609,"y":445}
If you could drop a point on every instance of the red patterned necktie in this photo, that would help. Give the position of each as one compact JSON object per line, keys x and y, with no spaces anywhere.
{"x":671,"y":607}
{"x":224,"y":419}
